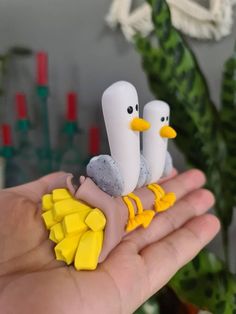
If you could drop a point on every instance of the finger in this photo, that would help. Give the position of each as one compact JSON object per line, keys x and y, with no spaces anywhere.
{"x":192,"y":205}
{"x":163,"y":259}
{"x":191,"y":179}
{"x":184,"y":183}
{"x":36,"y":189}
{"x":173,"y":173}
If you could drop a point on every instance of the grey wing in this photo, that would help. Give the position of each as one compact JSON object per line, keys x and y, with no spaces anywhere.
{"x":104,"y":171}
{"x":168,"y":165}
{"x":145,"y":173}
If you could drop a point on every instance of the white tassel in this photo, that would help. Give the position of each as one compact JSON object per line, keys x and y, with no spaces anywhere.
{"x":187,"y":16}
{"x":112,"y":16}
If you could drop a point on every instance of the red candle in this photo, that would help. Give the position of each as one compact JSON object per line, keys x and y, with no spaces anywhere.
{"x":94,"y":141}
{"x":42,"y":68}
{"x":71,"y":106}
{"x":21,"y":106}
{"x":6,"y":135}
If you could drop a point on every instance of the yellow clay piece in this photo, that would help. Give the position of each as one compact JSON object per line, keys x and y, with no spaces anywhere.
{"x":166,"y":202}
{"x":157,"y":190}
{"x":137,"y":201}
{"x":170,"y":198}
{"x":132,"y":225}
{"x":75,"y":227}
{"x":47,"y":203}
{"x":88,"y":251}
{"x":160,"y":206}
{"x":96,"y":220}
{"x":66,"y":249}
{"x":145,"y":218}
{"x":69,"y":206}
{"x":73,"y":224}
{"x":56,"y":233}
{"x":49,"y":219}
{"x":59,"y":256}
{"x":130,"y":206}
{"x":163,"y":201}
{"x":60,"y":194}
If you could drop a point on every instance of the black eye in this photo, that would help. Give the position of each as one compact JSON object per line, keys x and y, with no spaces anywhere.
{"x":130,"y":109}
{"x":136,"y":107}
{"x":167,"y":118}
{"x":162,"y":119}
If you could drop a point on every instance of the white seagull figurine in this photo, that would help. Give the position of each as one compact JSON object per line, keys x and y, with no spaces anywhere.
{"x":118,"y":174}
{"x":158,"y":160}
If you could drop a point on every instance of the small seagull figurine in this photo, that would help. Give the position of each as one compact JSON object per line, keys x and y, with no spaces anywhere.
{"x":155,"y":154}
{"x":117,"y":174}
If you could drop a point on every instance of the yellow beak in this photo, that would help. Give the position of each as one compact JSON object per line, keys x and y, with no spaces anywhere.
{"x":138,"y":124}
{"x":168,"y":132}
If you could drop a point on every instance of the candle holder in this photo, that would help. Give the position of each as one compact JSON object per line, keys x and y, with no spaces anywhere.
{"x":44,"y":153}
{"x":71,"y":160}
{"x":26,"y":154}
{"x":13,"y":172}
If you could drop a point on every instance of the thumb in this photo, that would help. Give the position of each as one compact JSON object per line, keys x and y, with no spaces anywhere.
{"x":36,"y":189}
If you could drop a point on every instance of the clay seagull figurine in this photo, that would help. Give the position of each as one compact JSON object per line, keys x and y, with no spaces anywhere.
{"x":117,"y":174}
{"x":157,"y":161}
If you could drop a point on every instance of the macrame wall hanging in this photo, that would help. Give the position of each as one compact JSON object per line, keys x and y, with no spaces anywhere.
{"x":188,"y":16}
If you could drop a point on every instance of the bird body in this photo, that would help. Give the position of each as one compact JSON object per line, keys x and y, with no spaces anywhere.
{"x":155,"y":139}
{"x":124,"y":144}
{"x":121,"y":115}
{"x":155,"y":152}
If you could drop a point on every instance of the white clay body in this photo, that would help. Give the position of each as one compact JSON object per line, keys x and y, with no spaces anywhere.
{"x":154,"y":145}
{"x":123,"y":141}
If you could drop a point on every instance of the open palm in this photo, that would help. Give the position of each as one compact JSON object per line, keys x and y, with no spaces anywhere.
{"x":32,"y":281}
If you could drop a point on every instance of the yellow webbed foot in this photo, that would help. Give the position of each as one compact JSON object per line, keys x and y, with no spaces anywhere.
{"x":163,"y":201}
{"x":142,"y":218}
{"x":166,"y":202}
{"x":170,"y":198}
{"x":157,"y":190}
{"x":145,"y":218}
{"x":132,"y":225}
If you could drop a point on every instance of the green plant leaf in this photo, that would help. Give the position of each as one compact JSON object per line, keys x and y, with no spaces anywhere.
{"x":228,"y":117}
{"x":175,"y":76}
{"x":207,"y":283}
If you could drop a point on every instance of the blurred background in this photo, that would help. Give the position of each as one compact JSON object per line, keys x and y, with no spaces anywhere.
{"x":84,"y":56}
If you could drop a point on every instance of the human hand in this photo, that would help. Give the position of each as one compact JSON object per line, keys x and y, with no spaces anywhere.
{"x":32,"y":281}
